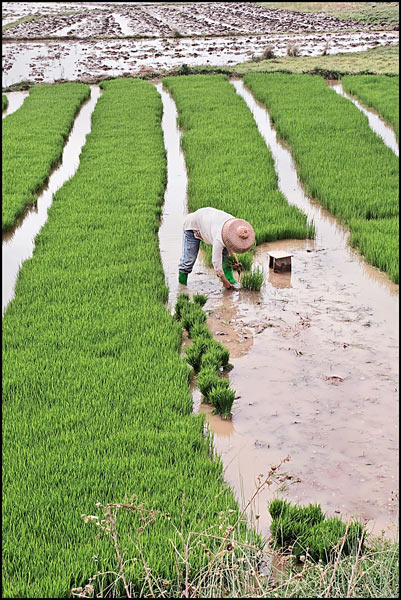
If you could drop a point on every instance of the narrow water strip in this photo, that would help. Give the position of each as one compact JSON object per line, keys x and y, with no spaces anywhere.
{"x":175,"y":197}
{"x":376,"y":123}
{"x":19,"y":242}
{"x":15,"y":101}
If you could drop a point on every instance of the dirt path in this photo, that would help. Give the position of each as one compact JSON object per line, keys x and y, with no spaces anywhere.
{"x":316,"y":361}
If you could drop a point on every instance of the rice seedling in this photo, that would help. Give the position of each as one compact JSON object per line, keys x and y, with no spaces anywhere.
{"x":379,"y":92}
{"x":33,"y":140}
{"x":209,"y":379}
{"x":306,"y":530}
{"x":253,"y":280}
{"x":227,"y":159}
{"x":342,"y":162}
{"x":193,"y":353}
{"x":4,"y":101}
{"x":96,"y":403}
{"x":222,"y":398}
{"x":200,"y":299}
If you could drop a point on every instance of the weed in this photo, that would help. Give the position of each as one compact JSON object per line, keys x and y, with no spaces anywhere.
{"x":268,"y":53}
{"x":293,"y":50}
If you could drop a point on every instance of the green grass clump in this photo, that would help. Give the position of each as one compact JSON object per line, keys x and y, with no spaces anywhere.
{"x":228,"y":160}
{"x":193,"y":353}
{"x":305,"y":530}
{"x":96,"y":403}
{"x":33,"y":141}
{"x":379,"y":92}
{"x":341,"y":161}
{"x":4,"y":101}
{"x":253,"y":280}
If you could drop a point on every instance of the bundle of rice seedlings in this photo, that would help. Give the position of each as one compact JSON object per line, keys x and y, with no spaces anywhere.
{"x":182,"y":300}
{"x":253,"y":280}
{"x":306,"y":530}
{"x":194,"y":353}
{"x":222,"y":398}
{"x":200,"y":299}
{"x":209,"y":379}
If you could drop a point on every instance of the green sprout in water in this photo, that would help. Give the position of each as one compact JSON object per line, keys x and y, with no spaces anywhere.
{"x":253,"y":280}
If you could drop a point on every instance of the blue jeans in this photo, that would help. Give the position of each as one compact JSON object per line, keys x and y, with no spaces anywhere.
{"x":190,"y":249}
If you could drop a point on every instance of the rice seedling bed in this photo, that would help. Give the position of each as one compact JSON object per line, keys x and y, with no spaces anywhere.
{"x":341,"y":161}
{"x":33,"y":140}
{"x":229,"y":166}
{"x":379,"y":92}
{"x":96,"y":403}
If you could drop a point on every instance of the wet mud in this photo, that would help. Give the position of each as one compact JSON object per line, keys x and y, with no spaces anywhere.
{"x":315,"y":357}
{"x":75,"y":60}
{"x":377,"y":123}
{"x":220,"y":34}
{"x":19,"y":242}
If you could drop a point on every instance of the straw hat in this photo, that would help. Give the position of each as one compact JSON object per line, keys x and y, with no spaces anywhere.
{"x":238,"y":235}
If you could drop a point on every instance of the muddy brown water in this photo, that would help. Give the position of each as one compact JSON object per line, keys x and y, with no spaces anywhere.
{"x":19,"y":242}
{"x":377,"y":123}
{"x":315,"y":357}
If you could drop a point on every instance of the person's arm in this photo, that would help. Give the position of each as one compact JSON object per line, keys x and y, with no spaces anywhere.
{"x":217,"y":253}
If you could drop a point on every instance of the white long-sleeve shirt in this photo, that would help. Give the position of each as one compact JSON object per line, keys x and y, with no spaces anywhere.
{"x":207,"y":224}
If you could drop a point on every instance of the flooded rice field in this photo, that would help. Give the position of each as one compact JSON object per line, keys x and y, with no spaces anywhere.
{"x":50,"y":61}
{"x":315,"y":357}
{"x":315,"y":353}
{"x":69,"y":41}
{"x":377,"y":124}
{"x":19,"y":242}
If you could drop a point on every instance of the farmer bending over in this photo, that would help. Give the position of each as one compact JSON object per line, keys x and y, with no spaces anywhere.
{"x":221,"y":230}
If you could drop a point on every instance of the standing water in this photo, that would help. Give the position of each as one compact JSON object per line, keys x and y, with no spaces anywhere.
{"x":19,"y":242}
{"x":15,"y":100}
{"x":175,"y":197}
{"x":377,"y":124}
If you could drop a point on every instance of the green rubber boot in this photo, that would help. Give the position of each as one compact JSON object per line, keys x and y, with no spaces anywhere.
{"x":182,"y":278}
{"x":228,"y":272}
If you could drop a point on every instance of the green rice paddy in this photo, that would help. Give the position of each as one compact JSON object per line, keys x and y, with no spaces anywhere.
{"x":342,"y":162}
{"x":379,"y":92}
{"x":33,"y":140}
{"x":229,"y":165}
{"x":92,"y":410}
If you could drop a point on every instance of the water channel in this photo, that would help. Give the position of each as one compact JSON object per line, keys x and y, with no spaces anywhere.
{"x":18,"y":243}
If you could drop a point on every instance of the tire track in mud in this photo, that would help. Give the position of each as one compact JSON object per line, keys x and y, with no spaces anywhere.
{"x":376,"y":123}
{"x":19,"y":242}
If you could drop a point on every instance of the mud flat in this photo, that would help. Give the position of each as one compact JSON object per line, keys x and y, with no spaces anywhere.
{"x":74,"y":60}
{"x":199,"y":18}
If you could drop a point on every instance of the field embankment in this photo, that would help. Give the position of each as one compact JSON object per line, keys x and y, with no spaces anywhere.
{"x":33,"y":140}
{"x":93,"y":410}
{"x":343,"y":164}
{"x":229,"y":165}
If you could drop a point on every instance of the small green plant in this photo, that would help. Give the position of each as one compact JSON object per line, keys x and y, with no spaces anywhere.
{"x":191,"y":315}
{"x":194,"y":352}
{"x":222,"y":398}
{"x":200,"y":329}
{"x":253,"y":280}
{"x":182,"y":300}
{"x":200,"y":299}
